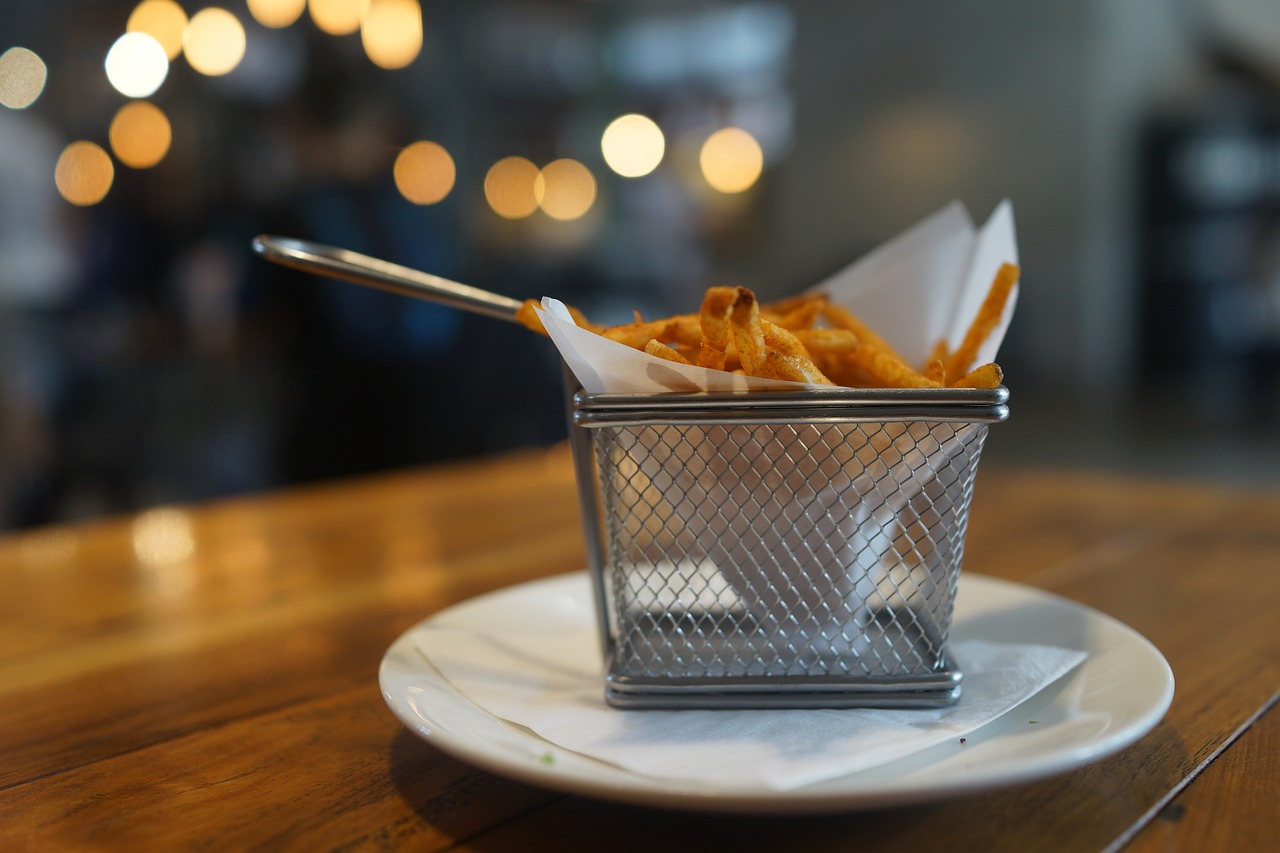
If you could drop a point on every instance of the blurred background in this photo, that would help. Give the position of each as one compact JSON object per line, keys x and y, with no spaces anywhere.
{"x":620,"y":156}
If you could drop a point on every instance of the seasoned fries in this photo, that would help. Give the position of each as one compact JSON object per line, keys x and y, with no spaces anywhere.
{"x":961,"y":361}
{"x":783,"y":340}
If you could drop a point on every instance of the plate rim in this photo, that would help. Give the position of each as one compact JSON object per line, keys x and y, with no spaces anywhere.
{"x":641,"y":790}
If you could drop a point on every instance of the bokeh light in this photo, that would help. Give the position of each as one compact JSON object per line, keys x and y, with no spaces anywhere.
{"x":84,"y":173}
{"x":276,"y":13}
{"x":22,"y":77}
{"x":164,"y":543}
{"x":731,"y":160}
{"x":509,"y":187}
{"x":163,"y":20}
{"x":337,"y":17}
{"x":391,"y":31}
{"x":424,"y":172}
{"x":140,"y":134}
{"x":214,"y":41}
{"x":136,"y":65}
{"x":633,"y":145}
{"x":163,"y":536}
{"x":565,"y":189}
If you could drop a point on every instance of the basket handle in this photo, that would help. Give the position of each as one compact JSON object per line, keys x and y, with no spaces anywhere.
{"x":351,"y":266}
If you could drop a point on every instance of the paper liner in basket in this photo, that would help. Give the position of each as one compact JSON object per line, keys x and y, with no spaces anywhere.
{"x":923,"y":285}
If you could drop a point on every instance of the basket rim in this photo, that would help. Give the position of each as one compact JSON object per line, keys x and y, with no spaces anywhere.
{"x":824,"y":405}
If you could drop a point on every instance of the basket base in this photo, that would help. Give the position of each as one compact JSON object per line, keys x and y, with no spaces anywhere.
{"x":937,"y":689}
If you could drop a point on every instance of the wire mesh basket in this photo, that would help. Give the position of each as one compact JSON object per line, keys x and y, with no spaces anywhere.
{"x":779,"y":549}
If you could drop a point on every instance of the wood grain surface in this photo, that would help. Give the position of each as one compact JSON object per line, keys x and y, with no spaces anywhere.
{"x":206,"y":676}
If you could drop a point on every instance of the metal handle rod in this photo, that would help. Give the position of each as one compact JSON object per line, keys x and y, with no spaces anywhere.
{"x":384,"y":275}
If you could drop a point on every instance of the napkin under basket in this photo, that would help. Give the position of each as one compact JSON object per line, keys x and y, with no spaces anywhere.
{"x":778,"y":549}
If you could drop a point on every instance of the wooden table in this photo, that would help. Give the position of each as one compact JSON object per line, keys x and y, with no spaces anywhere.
{"x":206,"y":677}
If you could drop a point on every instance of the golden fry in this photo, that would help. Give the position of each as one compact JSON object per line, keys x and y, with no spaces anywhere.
{"x":886,"y":370}
{"x":795,"y":314}
{"x":843,"y":318}
{"x":714,"y":325}
{"x":790,"y":303}
{"x":527,"y":314}
{"x":941,"y":351}
{"x":935,"y":370}
{"x":636,"y":335}
{"x":778,"y":338}
{"x":748,"y":333}
{"x":961,"y":361}
{"x":661,"y":350}
{"x":986,"y":376}
{"x":794,"y":368}
{"x":827,"y":341}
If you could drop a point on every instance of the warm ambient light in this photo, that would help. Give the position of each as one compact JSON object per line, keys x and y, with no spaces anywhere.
{"x":276,"y":13}
{"x":565,"y":189}
{"x":731,"y":160}
{"x":136,"y":65}
{"x":391,"y":31}
{"x":424,"y":172}
{"x":510,"y":187}
{"x":163,"y":20}
{"x":22,"y":77}
{"x":633,"y":145}
{"x":214,"y":41}
{"x":84,"y":173}
{"x":140,"y":135}
{"x":337,"y":17}
{"x":162,"y":537}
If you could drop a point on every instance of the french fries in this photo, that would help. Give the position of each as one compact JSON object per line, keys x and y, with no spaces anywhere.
{"x":961,"y":361}
{"x":783,"y":340}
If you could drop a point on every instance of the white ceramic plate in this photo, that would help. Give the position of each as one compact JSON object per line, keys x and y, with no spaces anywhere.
{"x":1115,"y":697}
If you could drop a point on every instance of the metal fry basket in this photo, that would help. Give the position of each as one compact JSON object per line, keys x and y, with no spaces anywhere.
{"x":779,"y":549}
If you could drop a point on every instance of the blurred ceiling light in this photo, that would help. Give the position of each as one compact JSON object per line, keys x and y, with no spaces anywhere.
{"x":337,"y":17}
{"x":22,"y":77}
{"x":510,"y":187}
{"x":163,"y":20}
{"x":424,"y":172}
{"x":140,"y":134}
{"x":633,"y":145}
{"x":565,"y":189}
{"x":84,"y":173}
{"x":276,"y":13}
{"x":391,"y":31}
{"x":214,"y":41}
{"x":136,"y":65}
{"x":731,"y":160}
